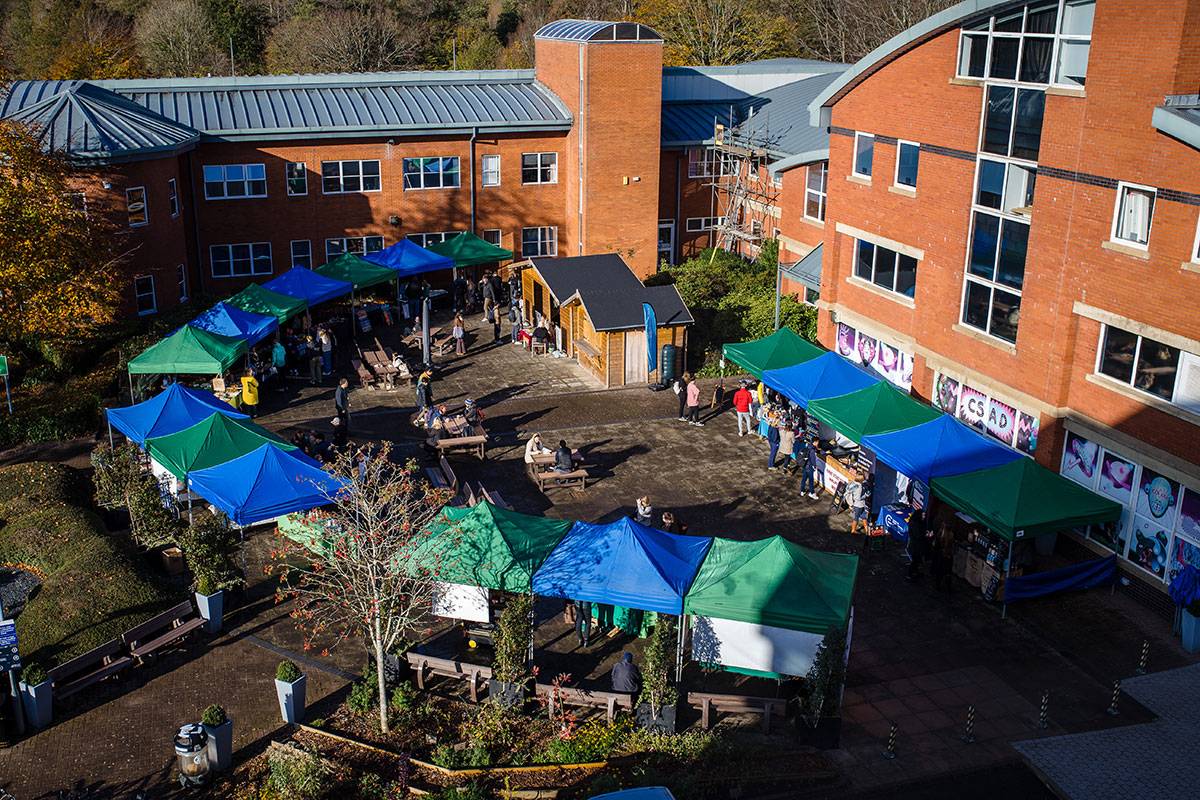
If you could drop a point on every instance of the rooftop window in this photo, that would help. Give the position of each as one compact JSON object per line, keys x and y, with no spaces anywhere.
{"x":1039,"y":43}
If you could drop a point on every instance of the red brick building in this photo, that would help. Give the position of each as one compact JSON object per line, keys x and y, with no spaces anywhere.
{"x":1013,"y":218}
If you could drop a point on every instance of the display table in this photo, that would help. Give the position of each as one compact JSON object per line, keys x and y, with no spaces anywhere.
{"x":835,"y":474}
{"x":894,"y":520}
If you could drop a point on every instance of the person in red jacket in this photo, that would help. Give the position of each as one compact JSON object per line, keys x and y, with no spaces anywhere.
{"x":742,"y":399}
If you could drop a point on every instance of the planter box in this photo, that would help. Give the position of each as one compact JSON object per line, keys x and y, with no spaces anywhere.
{"x":663,"y":722}
{"x":220,"y":745}
{"x":172,"y":560}
{"x":1190,"y":626}
{"x":212,"y":609}
{"x":291,"y":698}
{"x":508,"y":695}
{"x":825,"y":735}
{"x":38,"y":702}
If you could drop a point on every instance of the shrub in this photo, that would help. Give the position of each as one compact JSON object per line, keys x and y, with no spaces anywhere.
{"x":657,"y":690}
{"x":288,"y":672}
{"x":297,"y":774}
{"x":33,"y":674}
{"x":492,"y":728}
{"x":511,"y":640}
{"x":404,"y":697}
{"x":120,"y":482}
{"x":372,"y":787}
{"x":448,"y":757}
{"x":209,"y":545}
{"x":362,"y":697}
{"x":214,"y":716}
{"x":823,"y":684}
{"x":594,"y":740}
{"x":472,"y":791}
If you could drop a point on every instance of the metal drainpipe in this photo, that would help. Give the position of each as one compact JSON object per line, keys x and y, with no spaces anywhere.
{"x":195,"y":212}
{"x":474,"y":134}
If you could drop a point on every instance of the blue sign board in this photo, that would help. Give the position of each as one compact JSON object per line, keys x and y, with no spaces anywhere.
{"x":10,"y":658}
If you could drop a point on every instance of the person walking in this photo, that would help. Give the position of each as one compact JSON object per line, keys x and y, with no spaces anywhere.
{"x":743,"y":398}
{"x":693,"y":400}
{"x":327,"y":342}
{"x":808,"y":478}
{"x":424,"y":391}
{"x":459,"y":332}
{"x":341,"y":402}
{"x":250,"y":393}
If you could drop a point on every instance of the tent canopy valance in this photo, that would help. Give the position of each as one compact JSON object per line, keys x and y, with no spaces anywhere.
{"x":351,"y":269}
{"x":783,"y":348}
{"x":406,"y":258}
{"x":208,"y":443}
{"x":258,"y":299}
{"x":175,"y":408}
{"x":876,"y":409}
{"x":623,"y":563}
{"x":468,"y":250}
{"x":827,"y":375}
{"x":189,"y":351}
{"x":490,"y":547}
{"x":774,"y":582}
{"x":229,"y":320}
{"x":303,"y":283}
{"x":941,"y":447}
{"x":1021,"y":499}
{"x":265,"y":483}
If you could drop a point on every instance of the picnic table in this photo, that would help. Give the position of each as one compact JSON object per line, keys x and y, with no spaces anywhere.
{"x":461,"y":435}
{"x":544,"y":462}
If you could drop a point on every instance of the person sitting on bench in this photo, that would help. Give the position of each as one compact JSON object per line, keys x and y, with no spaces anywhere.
{"x":541,"y":335}
{"x":626,"y":677}
{"x":472,"y":413}
{"x":535,"y":447}
{"x":562,"y":458}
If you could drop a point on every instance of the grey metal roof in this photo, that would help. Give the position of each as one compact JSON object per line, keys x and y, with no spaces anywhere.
{"x":590,"y":30}
{"x":1179,"y":116}
{"x":781,"y":120}
{"x":610,"y":292}
{"x":686,"y":124}
{"x":807,"y":270}
{"x":89,"y":123}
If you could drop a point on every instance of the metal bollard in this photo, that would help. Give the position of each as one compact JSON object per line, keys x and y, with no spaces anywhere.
{"x":1144,"y":660}
{"x":1116,"y":695}
{"x":969,"y":734}
{"x":1044,"y":711}
{"x":890,"y":753}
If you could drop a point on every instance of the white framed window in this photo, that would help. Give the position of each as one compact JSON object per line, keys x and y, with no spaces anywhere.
{"x":296,"y":174}
{"x":356,"y":245}
{"x":240,"y":260}
{"x":172,"y":197}
{"x":489,"y":170}
{"x":492,"y":236}
{"x":1040,"y":43}
{"x":302,"y":253}
{"x":864,"y":154}
{"x":233,"y":181}
{"x":756,"y":228}
{"x":885,"y":268}
{"x":1012,"y":122}
{"x":1149,"y":366}
{"x":143,"y":290}
{"x":539,"y":168}
{"x":811,"y":297}
{"x":1196,"y":245}
{"x":78,"y":202}
{"x":908,"y":157}
{"x":350,"y":177}
{"x":1133,"y":214}
{"x":539,"y":241}
{"x":816,"y":185}
{"x":181,"y":279}
{"x":696,"y":224}
{"x":436,"y":237}
{"x":438,"y":172}
{"x":703,"y":162}
{"x":136,"y":206}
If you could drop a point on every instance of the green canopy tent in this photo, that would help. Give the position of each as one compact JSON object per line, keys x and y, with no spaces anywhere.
{"x":877,"y":409}
{"x":258,"y":300}
{"x":776,"y":583}
{"x":489,"y":547}
{"x":783,"y":348}
{"x":189,"y":351}
{"x":357,"y":271}
{"x":468,"y":250}
{"x":210,"y":442}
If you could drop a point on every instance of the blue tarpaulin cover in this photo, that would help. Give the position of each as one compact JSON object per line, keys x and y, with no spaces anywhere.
{"x":171,"y":410}
{"x":827,"y":375}
{"x":308,"y":285}
{"x":409,"y":258}
{"x":623,"y":563}
{"x":230,"y":320}
{"x":943,"y":446}
{"x":1085,"y":575}
{"x":263,"y":484}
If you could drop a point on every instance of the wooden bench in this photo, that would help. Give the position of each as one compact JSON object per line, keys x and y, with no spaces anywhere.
{"x":473,"y":674}
{"x":91,"y":667}
{"x":366,"y":378}
{"x":167,"y":627}
{"x":475,"y":441}
{"x":443,"y":476}
{"x":577,"y":478}
{"x":493,"y":497}
{"x":441,"y":344}
{"x":585,"y":698}
{"x":736,"y":704}
{"x":544,"y":462}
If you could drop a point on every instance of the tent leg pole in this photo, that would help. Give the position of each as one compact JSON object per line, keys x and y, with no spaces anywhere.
{"x":131,"y":398}
{"x":679,"y":649}
{"x":1007,"y":573}
{"x":111,"y":446}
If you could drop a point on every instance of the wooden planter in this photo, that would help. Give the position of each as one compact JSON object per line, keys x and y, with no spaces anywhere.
{"x":663,"y":722}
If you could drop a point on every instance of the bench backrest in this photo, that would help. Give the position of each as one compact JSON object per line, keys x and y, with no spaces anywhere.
{"x":732,"y":701}
{"x":451,"y":478}
{"x":153,"y":625}
{"x":84,"y":662}
{"x":585,"y":697}
{"x":447,"y":666}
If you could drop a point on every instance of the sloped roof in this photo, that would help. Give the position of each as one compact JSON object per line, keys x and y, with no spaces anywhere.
{"x":779,"y":118}
{"x":610,"y":292}
{"x":590,"y":30}
{"x":686,"y":123}
{"x":1179,"y":116}
{"x":89,"y":122}
{"x":808,"y":269}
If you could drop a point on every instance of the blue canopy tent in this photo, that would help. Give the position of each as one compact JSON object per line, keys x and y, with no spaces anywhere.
{"x":230,"y":320}
{"x":308,"y":285}
{"x":264,"y":484}
{"x":827,"y":375}
{"x":169,"y":411}
{"x":623,"y":563}
{"x":409,"y":258}
{"x":943,"y":446}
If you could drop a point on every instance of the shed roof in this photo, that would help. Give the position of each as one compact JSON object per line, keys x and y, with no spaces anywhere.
{"x":610,"y":292}
{"x":807,"y":270}
{"x":591,"y":30}
{"x":1179,"y":116}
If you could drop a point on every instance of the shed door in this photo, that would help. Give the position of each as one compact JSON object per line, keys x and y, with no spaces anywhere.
{"x":635,"y":357}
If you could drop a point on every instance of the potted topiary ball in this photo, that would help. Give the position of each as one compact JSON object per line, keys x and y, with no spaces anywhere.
{"x":290,"y":684}
{"x":210,"y":602}
{"x":37,"y":695}
{"x":219,"y":728}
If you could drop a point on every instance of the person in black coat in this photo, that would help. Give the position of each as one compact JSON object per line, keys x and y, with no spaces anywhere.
{"x":917,"y":544}
{"x":626,"y":677}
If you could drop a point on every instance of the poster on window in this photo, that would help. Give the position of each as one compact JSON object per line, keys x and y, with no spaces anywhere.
{"x":1079,"y":460}
{"x":1157,"y":497}
{"x":1116,"y":478}
{"x":945,"y":394}
{"x":1148,"y":545}
{"x":1027,"y":432}
{"x":1183,"y":552}
{"x":1113,"y":535}
{"x":890,"y":363}
{"x":1001,"y":421}
{"x":972,"y":407}
{"x":1189,"y":515}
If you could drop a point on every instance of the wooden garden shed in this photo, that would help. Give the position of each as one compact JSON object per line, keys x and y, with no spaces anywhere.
{"x":597,"y":300}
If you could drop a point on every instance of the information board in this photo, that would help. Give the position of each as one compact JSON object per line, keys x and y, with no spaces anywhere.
{"x":9,"y":656}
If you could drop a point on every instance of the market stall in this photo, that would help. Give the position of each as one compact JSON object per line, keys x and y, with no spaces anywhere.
{"x":876,"y":409}
{"x":468,"y":250}
{"x":230,"y":320}
{"x":258,"y":299}
{"x":783,"y":348}
{"x":360,"y":273}
{"x":309,"y":286}
{"x":208,"y":443}
{"x":188,"y":351}
{"x":407,"y":258}
{"x":827,"y":375}
{"x":943,"y":446}
{"x":175,"y":408}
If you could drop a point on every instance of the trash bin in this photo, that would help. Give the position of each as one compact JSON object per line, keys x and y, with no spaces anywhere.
{"x":667,"y":363}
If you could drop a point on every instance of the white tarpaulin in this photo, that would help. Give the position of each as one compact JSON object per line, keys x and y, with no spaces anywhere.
{"x":750,"y":646}
{"x":458,"y":601}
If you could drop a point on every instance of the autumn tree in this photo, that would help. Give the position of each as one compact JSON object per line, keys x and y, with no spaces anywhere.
{"x":713,"y":32}
{"x":344,"y":41}
{"x":177,"y":38}
{"x":58,"y":266}
{"x":846,"y":30}
{"x":365,"y":572}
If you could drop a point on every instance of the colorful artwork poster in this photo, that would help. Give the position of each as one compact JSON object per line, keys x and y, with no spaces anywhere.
{"x":1183,"y":552}
{"x":1116,"y":478}
{"x":1001,"y":421}
{"x":1113,"y":535}
{"x":1148,"y":545}
{"x":891,"y":363}
{"x":1189,"y":515}
{"x":846,"y":340}
{"x":1157,"y":497}
{"x":868,"y":348}
{"x":1027,"y":432}
{"x":972,"y":407}
{"x":945,"y":395}
{"x":1080,"y":459}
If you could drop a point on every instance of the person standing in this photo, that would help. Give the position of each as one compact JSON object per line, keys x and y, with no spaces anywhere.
{"x":250,"y":393}
{"x":341,"y":402}
{"x":916,"y":543}
{"x":856,"y":499}
{"x":645,"y":511}
{"x":943,"y":558}
{"x":315,"y":371}
{"x":787,"y":440}
{"x":514,"y":288}
{"x":459,"y":288}
{"x":773,"y":441}
{"x":489,"y":296}
{"x":693,"y":400}
{"x":495,"y":323}
{"x":327,"y":342}
{"x":743,"y":398}
{"x":279,"y":362}
{"x":808,"y":478}
{"x":583,"y":622}
{"x":424,"y":391}
{"x":459,"y":332}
